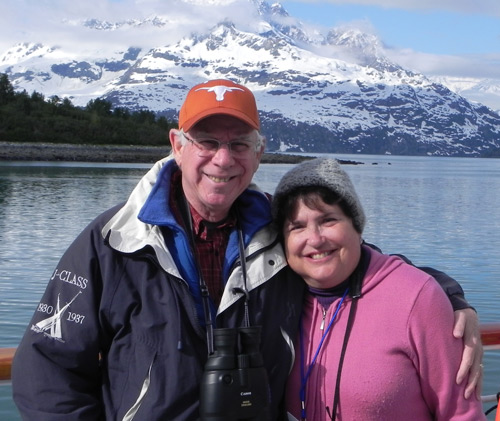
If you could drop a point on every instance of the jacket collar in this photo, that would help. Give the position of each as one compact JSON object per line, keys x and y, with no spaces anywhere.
{"x":137,"y":224}
{"x":252,"y":207}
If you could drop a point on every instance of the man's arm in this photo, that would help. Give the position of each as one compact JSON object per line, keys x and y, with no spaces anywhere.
{"x":452,"y":288}
{"x":55,"y":372}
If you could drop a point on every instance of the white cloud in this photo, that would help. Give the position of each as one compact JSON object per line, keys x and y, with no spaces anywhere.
{"x":479,"y":66}
{"x":58,"y":22}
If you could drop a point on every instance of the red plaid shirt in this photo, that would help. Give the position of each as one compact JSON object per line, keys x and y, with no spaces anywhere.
{"x":210,"y":242}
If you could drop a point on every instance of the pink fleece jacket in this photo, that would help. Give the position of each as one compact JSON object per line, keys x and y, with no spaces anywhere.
{"x":401,"y":359}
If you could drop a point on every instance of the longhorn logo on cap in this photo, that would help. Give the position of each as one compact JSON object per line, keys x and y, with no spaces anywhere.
{"x":219,"y":90}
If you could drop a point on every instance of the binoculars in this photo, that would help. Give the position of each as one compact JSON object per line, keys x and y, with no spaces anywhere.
{"x":235,"y":384}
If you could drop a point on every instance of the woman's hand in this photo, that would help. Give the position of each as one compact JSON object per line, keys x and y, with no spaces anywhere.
{"x":467,"y":327}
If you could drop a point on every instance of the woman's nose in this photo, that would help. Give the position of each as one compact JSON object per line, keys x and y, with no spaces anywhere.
{"x":314,"y":235}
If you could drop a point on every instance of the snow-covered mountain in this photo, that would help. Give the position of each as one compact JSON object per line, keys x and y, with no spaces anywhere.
{"x":485,"y":91}
{"x":332,"y":92}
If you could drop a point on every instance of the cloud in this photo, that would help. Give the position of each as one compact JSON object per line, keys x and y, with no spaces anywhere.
{"x":467,"y":65}
{"x":481,"y":7}
{"x":59,"y":22}
{"x":46,"y":21}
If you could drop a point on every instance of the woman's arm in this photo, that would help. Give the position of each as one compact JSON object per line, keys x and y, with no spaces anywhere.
{"x":437,"y":357}
{"x":466,"y":326}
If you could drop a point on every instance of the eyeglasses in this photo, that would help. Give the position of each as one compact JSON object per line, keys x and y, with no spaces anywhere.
{"x":209,"y":147}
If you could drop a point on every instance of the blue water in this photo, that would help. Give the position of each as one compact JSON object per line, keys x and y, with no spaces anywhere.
{"x":441,"y":212}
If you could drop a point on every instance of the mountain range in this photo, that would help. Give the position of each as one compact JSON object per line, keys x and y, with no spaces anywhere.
{"x":334,"y":92}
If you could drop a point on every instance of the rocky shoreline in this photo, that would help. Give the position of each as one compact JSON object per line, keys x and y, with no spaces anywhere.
{"x":10,"y":151}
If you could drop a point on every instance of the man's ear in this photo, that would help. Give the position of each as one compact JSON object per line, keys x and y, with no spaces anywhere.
{"x":177,"y":145}
{"x":260,"y":152}
{"x":262,"y":146}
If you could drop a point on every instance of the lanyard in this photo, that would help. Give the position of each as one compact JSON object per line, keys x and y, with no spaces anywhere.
{"x":305,"y":377}
{"x":205,"y":296}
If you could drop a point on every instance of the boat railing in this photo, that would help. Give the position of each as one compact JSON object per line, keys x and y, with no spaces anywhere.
{"x":490,"y":337}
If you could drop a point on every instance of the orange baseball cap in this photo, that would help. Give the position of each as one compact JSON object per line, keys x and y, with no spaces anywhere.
{"x":218,"y":96}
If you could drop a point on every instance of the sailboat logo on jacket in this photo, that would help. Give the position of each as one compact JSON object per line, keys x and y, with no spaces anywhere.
{"x":51,"y":326}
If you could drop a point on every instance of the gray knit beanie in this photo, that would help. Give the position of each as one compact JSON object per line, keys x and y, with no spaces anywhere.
{"x":322,"y":172}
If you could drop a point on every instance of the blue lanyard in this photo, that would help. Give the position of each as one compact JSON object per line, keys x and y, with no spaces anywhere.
{"x":305,"y":378}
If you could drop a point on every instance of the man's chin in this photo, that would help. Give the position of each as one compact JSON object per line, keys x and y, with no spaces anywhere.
{"x":219,"y":203}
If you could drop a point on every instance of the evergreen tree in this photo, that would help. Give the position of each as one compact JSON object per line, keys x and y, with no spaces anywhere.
{"x":7,"y":93}
{"x":33,"y":118}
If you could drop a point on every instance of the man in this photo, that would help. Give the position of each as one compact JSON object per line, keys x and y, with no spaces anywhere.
{"x":130,"y":309}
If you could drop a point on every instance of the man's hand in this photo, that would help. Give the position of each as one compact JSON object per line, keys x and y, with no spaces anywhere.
{"x":467,"y":327}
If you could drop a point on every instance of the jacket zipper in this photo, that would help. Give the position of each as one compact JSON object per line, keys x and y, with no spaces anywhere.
{"x":322,"y":326}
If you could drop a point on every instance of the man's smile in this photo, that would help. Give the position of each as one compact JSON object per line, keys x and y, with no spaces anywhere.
{"x":219,"y":179}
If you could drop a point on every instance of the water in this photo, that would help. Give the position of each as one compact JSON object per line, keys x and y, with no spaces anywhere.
{"x":441,"y":212}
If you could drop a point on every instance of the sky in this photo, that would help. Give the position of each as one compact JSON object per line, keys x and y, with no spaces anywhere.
{"x":436,"y":37}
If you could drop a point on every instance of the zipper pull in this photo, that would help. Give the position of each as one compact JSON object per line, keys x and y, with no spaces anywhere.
{"x":322,"y":327}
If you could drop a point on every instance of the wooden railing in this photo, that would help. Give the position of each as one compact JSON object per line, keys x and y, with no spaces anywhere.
{"x":6,"y":355}
{"x":490,"y":337}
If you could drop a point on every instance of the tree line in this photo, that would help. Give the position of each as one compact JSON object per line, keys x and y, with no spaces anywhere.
{"x":33,"y":118}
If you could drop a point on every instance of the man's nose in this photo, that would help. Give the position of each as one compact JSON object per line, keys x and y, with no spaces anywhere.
{"x":224,"y":154}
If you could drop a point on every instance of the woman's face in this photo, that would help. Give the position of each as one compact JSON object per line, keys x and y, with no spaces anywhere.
{"x":321,"y":244}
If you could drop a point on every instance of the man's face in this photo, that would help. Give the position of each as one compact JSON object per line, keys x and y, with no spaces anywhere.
{"x":212,"y":183}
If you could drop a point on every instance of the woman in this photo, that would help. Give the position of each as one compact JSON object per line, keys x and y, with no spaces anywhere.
{"x":375,"y":341}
